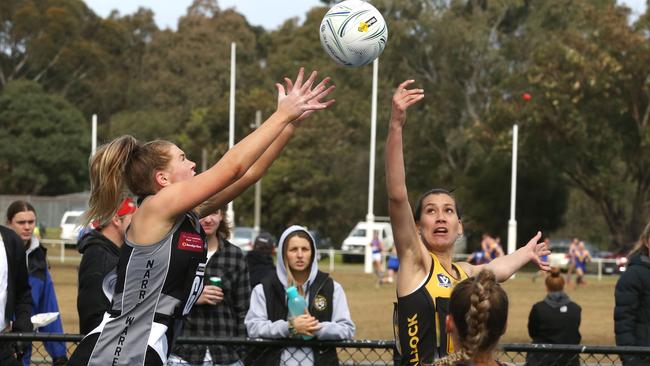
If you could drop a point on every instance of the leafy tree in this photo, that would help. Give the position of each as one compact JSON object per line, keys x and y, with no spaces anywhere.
{"x":45,"y":42}
{"x":44,"y":142}
{"x":588,"y":70}
{"x":111,"y":87}
{"x":585,"y":129}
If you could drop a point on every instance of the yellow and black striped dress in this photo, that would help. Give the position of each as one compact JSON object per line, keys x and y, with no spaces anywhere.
{"x":420,"y":317}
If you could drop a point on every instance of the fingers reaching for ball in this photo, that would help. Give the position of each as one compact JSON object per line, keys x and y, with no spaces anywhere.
{"x":403,"y":99}
{"x":298,"y":100}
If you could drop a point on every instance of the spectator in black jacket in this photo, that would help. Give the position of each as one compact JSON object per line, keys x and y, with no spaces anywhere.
{"x":632,"y":296}
{"x":100,"y":249}
{"x":260,"y":259}
{"x":18,"y":297}
{"x":555,"y":320}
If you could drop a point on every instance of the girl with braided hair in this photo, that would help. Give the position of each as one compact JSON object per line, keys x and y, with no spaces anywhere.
{"x":478,"y":313}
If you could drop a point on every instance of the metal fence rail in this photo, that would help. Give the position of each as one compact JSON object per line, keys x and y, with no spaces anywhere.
{"x":359,"y":352}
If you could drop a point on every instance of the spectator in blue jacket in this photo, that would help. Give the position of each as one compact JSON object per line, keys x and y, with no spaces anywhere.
{"x":21,"y":217}
{"x":632,"y":296}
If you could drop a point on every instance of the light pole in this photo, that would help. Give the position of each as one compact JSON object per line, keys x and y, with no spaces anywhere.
{"x":93,"y":136}
{"x":258,"y":185}
{"x":230,"y":212}
{"x":370,"y":216}
{"x":512,"y":223}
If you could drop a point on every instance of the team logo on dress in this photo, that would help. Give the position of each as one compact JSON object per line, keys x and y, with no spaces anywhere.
{"x":444,"y":281}
{"x":320,"y":303}
{"x":191,"y":242}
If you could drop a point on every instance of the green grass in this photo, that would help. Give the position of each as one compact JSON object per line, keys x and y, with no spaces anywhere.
{"x":372,"y":307}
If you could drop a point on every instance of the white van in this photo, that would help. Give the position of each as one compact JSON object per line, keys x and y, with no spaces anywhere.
{"x":354,"y":245}
{"x":71,"y":225}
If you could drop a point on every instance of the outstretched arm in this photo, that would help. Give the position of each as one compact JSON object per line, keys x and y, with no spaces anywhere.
{"x":504,"y":267}
{"x":175,"y":199}
{"x":412,"y":254}
{"x":262,"y":164}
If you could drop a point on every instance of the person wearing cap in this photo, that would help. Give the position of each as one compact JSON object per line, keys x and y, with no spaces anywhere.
{"x":260,"y":259}
{"x":100,"y":249}
{"x":21,"y":217}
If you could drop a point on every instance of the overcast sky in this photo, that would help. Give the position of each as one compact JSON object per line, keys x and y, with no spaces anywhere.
{"x":268,"y":13}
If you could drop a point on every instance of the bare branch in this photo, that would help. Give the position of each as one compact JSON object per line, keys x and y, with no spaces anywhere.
{"x":18,"y":67}
{"x":52,"y":62}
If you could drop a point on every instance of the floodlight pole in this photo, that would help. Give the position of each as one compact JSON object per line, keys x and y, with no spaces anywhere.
{"x":93,"y":137}
{"x":512,"y":223}
{"x":258,"y":185}
{"x":230,"y":212}
{"x":370,"y":216}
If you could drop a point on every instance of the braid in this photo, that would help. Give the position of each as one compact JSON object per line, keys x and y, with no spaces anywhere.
{"x":476,"y":318}
{"x":451,"y":359}
{"x":479,"y":308}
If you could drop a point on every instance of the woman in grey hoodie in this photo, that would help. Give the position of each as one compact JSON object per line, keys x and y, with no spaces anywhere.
{"x":328,"y":315}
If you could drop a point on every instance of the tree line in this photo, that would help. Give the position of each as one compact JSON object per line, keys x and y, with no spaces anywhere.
{"x":584,"y":166}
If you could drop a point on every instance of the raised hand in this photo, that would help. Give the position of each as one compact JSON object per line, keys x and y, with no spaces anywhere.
{"x":299,"y":100}
{"x":537,"y":250}
{"x":403,"y":99}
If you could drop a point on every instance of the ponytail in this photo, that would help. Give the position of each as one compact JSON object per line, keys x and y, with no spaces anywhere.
{"x":107,"y":169}
{"x":123,"y":163}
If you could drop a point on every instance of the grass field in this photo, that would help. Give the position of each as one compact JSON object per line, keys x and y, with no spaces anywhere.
{"x":372,"y":307}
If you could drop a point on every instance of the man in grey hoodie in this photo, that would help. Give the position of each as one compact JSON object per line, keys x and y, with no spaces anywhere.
{"x":267,"y":317}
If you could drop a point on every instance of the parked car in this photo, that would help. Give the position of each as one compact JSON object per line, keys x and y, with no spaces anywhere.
{"x":71,"y":225}
{"x":243,"y":237}
{"x":617,"y":266}
{"x":354,"y":245}
{"x":620,"y":257}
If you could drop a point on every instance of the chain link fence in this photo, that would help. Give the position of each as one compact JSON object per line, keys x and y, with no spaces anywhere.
{"x":352,"y":352}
